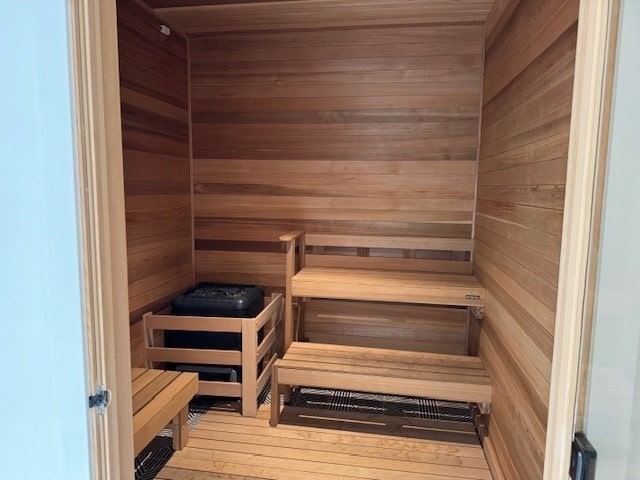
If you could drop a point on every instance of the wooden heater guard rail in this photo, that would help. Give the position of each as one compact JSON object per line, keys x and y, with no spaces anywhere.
{"x":405,"y":279}
{"x":251,"y":355}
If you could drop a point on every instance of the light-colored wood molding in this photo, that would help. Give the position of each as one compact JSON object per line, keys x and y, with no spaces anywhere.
{"x":597,"y":30}
{"x":94,"y":43}
{"x":594,"y":249}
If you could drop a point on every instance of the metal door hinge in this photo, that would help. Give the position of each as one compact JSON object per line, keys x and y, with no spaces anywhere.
{"x":100,"y":400}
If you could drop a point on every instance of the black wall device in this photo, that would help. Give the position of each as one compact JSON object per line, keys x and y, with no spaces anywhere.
{"x":583,"y":459}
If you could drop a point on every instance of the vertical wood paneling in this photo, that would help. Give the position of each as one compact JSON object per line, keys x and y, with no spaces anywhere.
{"x":365,"y":130}
{"x":155,"y":124}
{"x":524,"y":144}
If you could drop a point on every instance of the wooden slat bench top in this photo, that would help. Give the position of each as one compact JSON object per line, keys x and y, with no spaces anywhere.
{"x":158,"y":397}
{"x":331,"y":353}
{"x":388,"y":286}
{"x":438,"y":376}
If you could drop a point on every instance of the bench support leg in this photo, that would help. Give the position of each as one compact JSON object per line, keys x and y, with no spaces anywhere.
{"x":249,"y":368}
{"x":287,"y":393}
{"x":180,"y":429}
{"x":275,"y":398}
{"x":473,"y":331}
{"x":479,"y":421}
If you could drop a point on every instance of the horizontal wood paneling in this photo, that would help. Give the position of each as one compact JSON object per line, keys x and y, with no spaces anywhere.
{"x":157,"y":170}
{"x":403,"y":327}
{"x":356,"y":131}
{"x":226,"y":16}
{"x":521,"y":184}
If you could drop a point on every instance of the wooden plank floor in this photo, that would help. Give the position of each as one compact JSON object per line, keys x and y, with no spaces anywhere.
{"x":326,"y":446}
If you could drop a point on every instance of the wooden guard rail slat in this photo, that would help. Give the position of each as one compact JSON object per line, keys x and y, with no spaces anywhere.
{"x":249,"y":357}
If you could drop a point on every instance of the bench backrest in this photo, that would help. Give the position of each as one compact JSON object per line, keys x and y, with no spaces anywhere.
{"x":422,"y":254}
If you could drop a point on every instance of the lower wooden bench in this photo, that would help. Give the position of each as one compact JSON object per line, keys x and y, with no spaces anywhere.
{"x":161,"y":397}
{"x":437,"y":376}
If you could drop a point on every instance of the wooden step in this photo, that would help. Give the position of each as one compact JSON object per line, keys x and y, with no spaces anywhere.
{"x":388,"y":286}
{"x":431,"y":375}
{"x":158,"y":398}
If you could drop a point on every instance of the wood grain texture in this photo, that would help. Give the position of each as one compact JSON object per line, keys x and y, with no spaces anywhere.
{"x":159,"y":397}
{"x":93,"y":42}
{"x":157,"y":181}
{"x":342,"y":267}
{"x":392,"y":326}
{"x":358,"y":131}
{"x":388,"y":286}
{"x":444,"y":377}
{"x":194,"y":17}
{"x":526,"y":114}
{"x":588,"y":149}
{"x":225,"y":445}
{"x":255,"y":358}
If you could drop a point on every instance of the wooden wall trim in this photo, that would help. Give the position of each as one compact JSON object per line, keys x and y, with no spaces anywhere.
{"x":102,"y":214}
{"x":595,"y":58}
{"x":193,"y":219}
{"x":335,"y":14}
{"x":596,"y":227}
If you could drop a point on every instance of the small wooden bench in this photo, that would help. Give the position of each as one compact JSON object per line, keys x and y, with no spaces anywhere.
{"x":443,"y":377}
{"x":161,"y":397}
{"x":406,"y":270}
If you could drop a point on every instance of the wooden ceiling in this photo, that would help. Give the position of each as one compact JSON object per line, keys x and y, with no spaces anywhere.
{"x":212,"y":16}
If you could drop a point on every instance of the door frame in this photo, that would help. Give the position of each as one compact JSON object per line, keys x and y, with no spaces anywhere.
{"x":93,"y":42}
{"x":588,"y":148}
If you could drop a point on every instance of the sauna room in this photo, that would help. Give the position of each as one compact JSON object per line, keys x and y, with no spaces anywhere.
{"x":390,"y":177}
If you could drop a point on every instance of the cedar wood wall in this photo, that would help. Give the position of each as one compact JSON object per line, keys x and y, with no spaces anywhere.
{"x":358,"y":130}
{"x":530,"y":53}
{"x":364,"y":130}
{"x":157,"y":170}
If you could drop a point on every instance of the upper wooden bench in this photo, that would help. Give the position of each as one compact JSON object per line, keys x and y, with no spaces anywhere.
{"x":161,"y":397}
{"x":404,"y":269}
